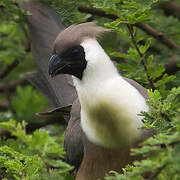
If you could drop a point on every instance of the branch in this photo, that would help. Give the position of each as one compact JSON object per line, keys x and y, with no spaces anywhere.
{"x":96,"y":12}
{"x":156,"y":173}
{"x":130,"y":28}
{"x":170,"y":68}
{"x":158,"y":35}
{"x":4,"y":106}
{"x":9,"y":68}
{"x":13,"y":84}
{"x":171,"y":8}
{"x":145,"y":27}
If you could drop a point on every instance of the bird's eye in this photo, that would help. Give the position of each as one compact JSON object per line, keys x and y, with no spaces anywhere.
{"x":75,"y":51}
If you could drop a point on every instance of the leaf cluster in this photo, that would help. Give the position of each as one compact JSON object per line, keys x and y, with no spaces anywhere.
{"x":30,"y":156}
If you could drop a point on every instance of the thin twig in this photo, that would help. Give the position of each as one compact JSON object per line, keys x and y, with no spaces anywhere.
{"x":158,"y":35}
{"x":13,"y":84}
{"x":96,"y":12}
{"x":148,"y":29}
{"x":130,"y":28}
{"x":145,"y":27}
{"x":171,"y":8}
{"x":171,"y":67}
{"x":156,"y":173}
{"x":9,"y":68}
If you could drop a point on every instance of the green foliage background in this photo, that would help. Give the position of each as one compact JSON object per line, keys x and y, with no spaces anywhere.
{"x":38,"y":154}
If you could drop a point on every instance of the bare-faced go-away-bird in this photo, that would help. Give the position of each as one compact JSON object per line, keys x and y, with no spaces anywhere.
{"x":104,"y":122}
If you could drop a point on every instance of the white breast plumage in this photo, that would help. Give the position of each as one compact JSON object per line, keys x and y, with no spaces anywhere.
{"x":109,"y":104}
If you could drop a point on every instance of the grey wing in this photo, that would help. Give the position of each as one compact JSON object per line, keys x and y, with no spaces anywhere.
{"x":44,"y":25}
{"x":73,"y":143}
{"x":143,"y":91}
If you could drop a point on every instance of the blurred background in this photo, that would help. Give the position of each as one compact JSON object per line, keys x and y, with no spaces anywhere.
{"x":154,"y":26}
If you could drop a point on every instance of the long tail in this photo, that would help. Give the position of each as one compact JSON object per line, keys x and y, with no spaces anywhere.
{"x":44,"y":25}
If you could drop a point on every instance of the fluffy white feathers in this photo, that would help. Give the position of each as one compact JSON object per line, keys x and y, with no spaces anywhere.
{"x":109,"y":104}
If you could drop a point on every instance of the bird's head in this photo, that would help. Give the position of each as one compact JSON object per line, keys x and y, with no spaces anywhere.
{"x":70,"y":53}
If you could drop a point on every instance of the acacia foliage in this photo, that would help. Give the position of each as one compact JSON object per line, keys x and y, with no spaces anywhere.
{"x":138,"y":53}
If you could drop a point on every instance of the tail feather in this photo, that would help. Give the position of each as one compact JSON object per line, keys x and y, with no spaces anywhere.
{"x":44,"y":25}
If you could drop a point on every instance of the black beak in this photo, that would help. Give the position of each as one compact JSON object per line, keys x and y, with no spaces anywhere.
{"x":56,"y":64}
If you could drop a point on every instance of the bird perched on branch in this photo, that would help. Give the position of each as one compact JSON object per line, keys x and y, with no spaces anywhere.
{"x":104,"y":118}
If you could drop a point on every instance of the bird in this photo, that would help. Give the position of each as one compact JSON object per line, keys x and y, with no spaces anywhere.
{"x":104,"y":122}
{"x":109,"y":104}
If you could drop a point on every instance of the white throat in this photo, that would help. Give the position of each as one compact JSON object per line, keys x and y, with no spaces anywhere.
{"x":109,"y":104}
{"x":99,"y":66}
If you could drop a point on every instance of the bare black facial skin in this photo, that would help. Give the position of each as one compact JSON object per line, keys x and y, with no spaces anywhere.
{"x":71,"y":62}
